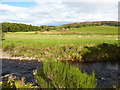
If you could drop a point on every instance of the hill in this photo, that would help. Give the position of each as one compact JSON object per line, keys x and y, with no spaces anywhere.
{"x":92,"y":22}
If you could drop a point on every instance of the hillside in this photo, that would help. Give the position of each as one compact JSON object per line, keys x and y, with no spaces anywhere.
{"x":92,"y":22}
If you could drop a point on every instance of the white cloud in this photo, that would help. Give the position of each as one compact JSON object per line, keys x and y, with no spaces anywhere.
{"x":60,"y":0}
{"x":59,"y":12}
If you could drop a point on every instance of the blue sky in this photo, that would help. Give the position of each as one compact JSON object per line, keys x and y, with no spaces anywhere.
{"x":20,"y":4}
{"x":44,"y":12}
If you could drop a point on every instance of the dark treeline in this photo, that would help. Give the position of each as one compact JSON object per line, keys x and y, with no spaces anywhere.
{"x":17,"y":27}
{"x":111,"y":24}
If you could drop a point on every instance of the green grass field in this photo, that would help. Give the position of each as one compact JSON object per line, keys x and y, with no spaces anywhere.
{"x":50,"y":38}
{"x":56,"y":43}
{"x":104,"y":30}
{"x":38,"y":43}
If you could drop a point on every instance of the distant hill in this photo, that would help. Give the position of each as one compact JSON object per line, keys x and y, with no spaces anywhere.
{"x":92,"y":22}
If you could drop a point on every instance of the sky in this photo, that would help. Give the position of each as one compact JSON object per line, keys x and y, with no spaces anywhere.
{"x":57,"y":12}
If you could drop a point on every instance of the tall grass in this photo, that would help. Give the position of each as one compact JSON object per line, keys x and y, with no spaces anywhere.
{"x":55,"y":74}
{"x":72,"y":52}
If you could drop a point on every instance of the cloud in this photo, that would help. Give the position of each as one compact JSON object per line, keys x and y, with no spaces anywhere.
{"x":61,"y":0}
{"x":57,"y":13}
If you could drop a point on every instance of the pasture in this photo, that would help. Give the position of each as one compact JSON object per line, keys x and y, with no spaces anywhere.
{"x":51,"y":44}
{"x":80,"y":36}
{"x":37,"y":40}
{"x":104,"y":30}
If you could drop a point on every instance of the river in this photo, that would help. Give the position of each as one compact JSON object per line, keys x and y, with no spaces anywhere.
{"x":107,"y":73}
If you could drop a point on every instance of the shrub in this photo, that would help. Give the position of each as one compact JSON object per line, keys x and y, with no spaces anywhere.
{"x":101,"y":52}
{"x":55,"y":74}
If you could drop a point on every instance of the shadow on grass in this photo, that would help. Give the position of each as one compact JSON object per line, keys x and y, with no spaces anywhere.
{"x":101,"y":52}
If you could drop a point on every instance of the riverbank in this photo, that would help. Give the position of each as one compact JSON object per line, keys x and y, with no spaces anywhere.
{"x":73,"y":53}
{"x":6,"y":56}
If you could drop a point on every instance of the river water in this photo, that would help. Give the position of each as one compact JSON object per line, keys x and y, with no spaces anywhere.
{"x":107,"y":73}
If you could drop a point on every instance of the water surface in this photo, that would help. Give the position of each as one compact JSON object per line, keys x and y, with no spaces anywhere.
{"x":107,"y":73}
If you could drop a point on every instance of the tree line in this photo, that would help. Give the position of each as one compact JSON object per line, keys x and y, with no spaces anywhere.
{"x":18,"y":27}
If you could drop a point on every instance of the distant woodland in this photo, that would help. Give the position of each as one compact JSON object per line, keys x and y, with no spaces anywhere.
{"x":18,"y":27}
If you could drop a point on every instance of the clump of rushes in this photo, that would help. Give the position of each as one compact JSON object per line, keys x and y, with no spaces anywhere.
{"x":56,"y":74}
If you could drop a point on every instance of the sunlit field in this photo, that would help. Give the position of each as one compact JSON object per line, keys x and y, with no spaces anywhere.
{"x":59,"y":44}
{"x":85,"y":44}
{"x":49,"y":40}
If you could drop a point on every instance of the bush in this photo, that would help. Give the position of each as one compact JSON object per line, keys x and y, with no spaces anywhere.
{"x":55,"y":74}
{"x":101,"y":52}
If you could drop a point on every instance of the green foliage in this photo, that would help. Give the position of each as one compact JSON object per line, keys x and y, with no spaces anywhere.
{"x":55,"y":74}
{"x":16,"y":85}
{"x":101,"y":52}
{"x":6,"y":85}
{"x":9,"y":47}
{"x":18,"y":27}
{"x":111,"y":24}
